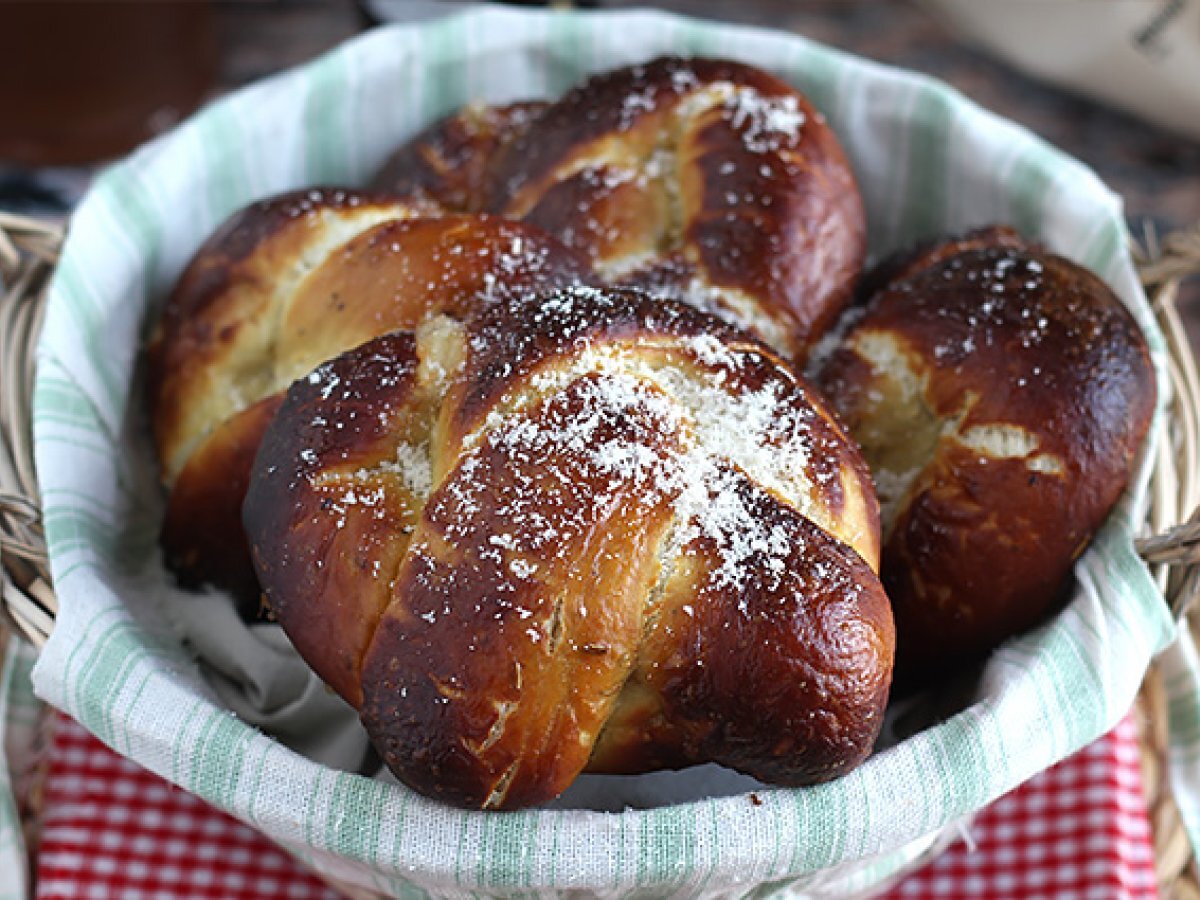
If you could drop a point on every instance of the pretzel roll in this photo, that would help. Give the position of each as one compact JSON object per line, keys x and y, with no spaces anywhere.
{"x":707,"y":181}
{"x":287,"y":284}
{"x":999,"y":393}
{"x":704,"y":180}
{"x":626,"y":536}
{"x":211,"y":353}
{"x":450,"y":161}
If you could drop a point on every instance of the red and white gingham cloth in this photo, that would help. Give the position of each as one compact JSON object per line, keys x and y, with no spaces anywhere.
{"x":1078,"y":831}
{"x":113,"y":830}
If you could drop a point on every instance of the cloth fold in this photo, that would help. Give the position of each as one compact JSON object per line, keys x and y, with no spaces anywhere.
{"x":256,"y":674}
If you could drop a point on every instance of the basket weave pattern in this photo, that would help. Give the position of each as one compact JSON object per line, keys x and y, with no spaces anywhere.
{"x":29,"y":249}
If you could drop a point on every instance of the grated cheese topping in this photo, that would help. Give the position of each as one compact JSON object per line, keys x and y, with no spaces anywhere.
{"x":727,"y":442}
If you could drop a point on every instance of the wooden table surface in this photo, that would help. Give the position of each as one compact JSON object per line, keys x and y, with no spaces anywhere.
{"x":1156,"y":172}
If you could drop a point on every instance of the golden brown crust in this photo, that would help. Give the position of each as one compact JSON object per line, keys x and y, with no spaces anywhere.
{"x":286,"y":284}
{"x":731,"y":665}
{"x":507,"y":347}
{"x":330,"y":519}
{"x":909,"y":261}
{"x":450,"y":161}
{"x":212,"y":346}
{"x":202,"y":537}
{"x":706,"y":180}
{"x":401,"y":272}
{"x":1000,"y":393}
{"x":602,"y":468}
{"x":517,"y":624}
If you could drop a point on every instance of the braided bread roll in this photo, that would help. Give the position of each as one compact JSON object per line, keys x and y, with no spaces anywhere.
{"x":284,"y":285}
{"x":1000,"y":393}
{"x":704,"y":180}
{"x":588,"y":530}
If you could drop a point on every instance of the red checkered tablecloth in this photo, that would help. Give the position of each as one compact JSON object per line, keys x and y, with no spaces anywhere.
{"x":1078,"y":831}
{"x":113,"y":830}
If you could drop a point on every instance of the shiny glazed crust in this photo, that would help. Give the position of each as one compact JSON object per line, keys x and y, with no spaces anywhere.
{"x":1000,"y":393}
{"x":703,"y":180}
{"x":212,"y":350}
{"x":286,"y":284}
{"x":450,"y":162}
{"x":590,"y":529}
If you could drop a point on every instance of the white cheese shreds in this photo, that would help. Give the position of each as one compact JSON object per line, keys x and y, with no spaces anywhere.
{"x":727,"y":444}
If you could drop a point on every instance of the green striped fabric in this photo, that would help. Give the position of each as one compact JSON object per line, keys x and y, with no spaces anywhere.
{"x":19,"y":711}
{"x":928,"y":161}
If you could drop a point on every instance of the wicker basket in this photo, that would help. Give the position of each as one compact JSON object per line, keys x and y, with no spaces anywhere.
{"x":29,"y":250}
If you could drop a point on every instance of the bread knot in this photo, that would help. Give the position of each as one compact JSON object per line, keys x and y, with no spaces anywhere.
{"x":588,"y":529}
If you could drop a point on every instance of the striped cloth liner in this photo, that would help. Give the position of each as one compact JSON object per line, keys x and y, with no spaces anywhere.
{"x":928,"y":161}
{"x":19,"y":714}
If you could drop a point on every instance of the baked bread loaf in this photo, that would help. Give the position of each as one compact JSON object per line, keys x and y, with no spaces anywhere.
{"x":704,"y":180}
{"x":588,"y":530}
{"x":284,"y":285}
{"x":450,"y":162}
{"x":999,"y":393}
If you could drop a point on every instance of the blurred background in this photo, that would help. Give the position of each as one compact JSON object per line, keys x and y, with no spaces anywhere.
{"x":71,"y":101}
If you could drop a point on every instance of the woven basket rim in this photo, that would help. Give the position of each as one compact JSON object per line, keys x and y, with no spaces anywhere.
{"x":29,"y":249}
